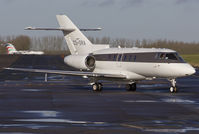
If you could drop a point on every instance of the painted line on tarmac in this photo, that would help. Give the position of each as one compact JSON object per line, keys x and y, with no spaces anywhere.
{"x":162,"y":130}
{"x":33,"y":90}
{"x":167,"y":100}
{"x":44,"y":113}
{"x":140,"y":101}
{"x":54,"y":120}
{"x":179,"y":130}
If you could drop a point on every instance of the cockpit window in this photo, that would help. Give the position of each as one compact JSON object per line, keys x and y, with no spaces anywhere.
{"x":162,"y":56}
{"x":168,"y":56}
{"x":180,"y":58}
{"x":171,"y":56}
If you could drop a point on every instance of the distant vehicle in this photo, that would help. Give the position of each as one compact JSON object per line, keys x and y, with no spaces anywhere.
{"x":12,"y":50}
{"x":119,"y":65}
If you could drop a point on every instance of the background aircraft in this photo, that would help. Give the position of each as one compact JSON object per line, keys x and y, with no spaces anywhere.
{"x":12,"y":50}
{"x":119,"y":65}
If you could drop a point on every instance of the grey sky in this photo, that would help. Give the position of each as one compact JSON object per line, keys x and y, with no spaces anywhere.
{"x":133,"y":19}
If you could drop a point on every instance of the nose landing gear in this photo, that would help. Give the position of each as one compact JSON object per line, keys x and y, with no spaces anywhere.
{"x":97,"y":87}
{"x":173,"y":88}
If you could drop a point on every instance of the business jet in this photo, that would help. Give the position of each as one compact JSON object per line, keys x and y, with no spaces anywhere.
{"x":119,"y":65}
{"x":12,"y":50}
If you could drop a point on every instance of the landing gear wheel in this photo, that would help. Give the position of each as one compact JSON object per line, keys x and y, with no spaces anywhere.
{"x":173,"y":88}
{"x":128,"y":87}
{"x":100,"y":86}
{"x":131,"y":87}
{"x":97,"y":87}
{"x":134,"y":87}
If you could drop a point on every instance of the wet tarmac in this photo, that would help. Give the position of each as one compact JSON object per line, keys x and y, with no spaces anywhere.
{"x":64,"y":104}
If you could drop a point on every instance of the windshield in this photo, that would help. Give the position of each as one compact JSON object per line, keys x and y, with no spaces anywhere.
{"x":170,"y":56}
{"x":180,"y":58}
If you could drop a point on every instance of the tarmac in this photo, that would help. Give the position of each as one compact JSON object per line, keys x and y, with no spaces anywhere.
{"x":65,"y":104}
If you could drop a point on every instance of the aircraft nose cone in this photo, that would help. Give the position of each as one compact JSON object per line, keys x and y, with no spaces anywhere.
{"x":190,"y":70}
{"x":193,"y":71}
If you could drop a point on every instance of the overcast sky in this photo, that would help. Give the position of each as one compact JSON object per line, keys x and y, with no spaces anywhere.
{"x":132,"y":19}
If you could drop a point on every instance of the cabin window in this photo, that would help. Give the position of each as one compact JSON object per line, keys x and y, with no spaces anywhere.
{"x":135,"y":58}
{"x":114,"y":57}
{"x":157,"y":56}
{"x":109,"y":56}
{"x":130,"y":57}
{"x":124,"y":59}
{"x":119,"y":57}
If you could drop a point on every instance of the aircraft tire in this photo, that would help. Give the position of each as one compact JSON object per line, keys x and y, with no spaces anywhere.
{"x":131,"y":87}
{"x":173,"y":89}
{"x":128,"y":87}
{"x":95,"y":87}
{"x":134,"y":87}
{"x":100,"y":86}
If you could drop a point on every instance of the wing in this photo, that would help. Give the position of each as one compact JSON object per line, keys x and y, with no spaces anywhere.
{"x":73,"y":73}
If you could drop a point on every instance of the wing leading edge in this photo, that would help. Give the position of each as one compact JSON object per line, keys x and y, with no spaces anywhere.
{"x":73,"y":73}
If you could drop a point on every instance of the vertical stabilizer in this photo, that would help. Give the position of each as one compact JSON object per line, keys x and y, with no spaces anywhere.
{"x":10,"y":48}
{"x":77,"y":42}
{"x":75,"y":39}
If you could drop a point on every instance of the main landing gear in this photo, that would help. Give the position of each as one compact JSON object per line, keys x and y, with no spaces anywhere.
{"x":97,"y":87}
{"x":173,"y":88}
{"x":131,"y":87}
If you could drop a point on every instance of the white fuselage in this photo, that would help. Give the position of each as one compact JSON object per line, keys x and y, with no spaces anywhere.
{"x":27,"y":52}
{"x":145,"y":70}
{"x":136,"y":70}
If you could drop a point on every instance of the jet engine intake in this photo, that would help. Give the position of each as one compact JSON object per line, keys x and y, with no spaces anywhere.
{"x":80,"y":62}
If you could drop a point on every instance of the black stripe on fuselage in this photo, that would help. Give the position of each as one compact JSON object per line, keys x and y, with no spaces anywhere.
{"x":154,"y":57}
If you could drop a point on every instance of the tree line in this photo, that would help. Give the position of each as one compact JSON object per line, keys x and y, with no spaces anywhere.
{"x":57,"y":45}
{"x":179,"y":46}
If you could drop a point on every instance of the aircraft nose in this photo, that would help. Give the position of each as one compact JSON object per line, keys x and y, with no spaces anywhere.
{"x":190,"y":70}
{"x":193,"y":71}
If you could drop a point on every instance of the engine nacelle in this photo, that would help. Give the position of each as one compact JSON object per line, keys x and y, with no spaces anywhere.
{"x":81,"y":62}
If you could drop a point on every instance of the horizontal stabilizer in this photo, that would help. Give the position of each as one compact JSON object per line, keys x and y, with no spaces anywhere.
{"x":63,"y":29}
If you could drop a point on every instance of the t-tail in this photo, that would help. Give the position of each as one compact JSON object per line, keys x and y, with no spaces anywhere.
{"x":10,"y":48}
{"x":77,"y":42}
{"x":75,"y":39}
